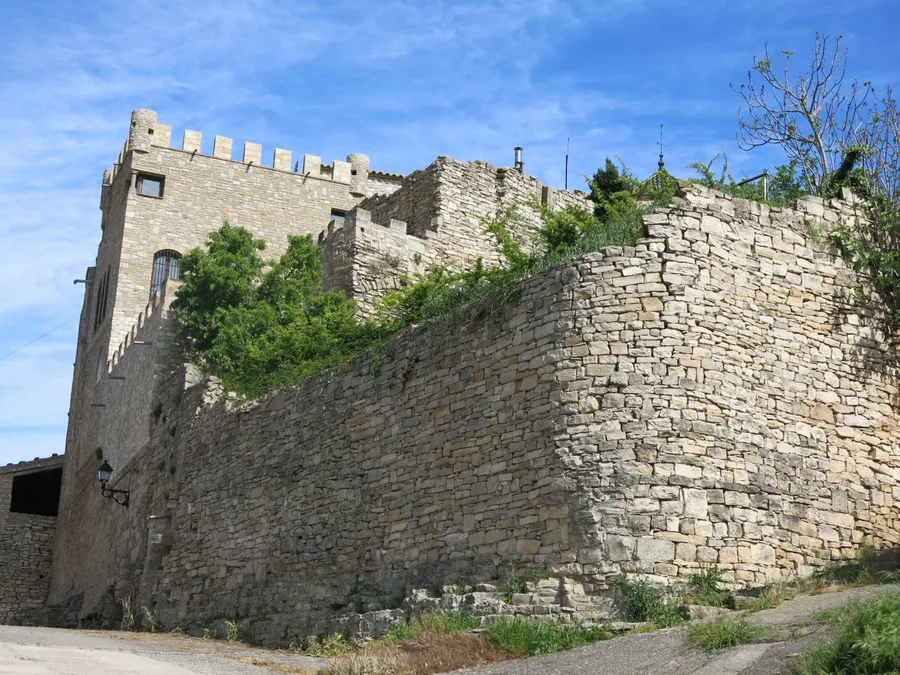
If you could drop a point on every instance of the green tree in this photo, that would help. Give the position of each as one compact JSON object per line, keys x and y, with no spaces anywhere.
{"x":215,"y":281}
{"x":841,"y":134}
{"x":612,"y":192}
{"x":259,"y":330}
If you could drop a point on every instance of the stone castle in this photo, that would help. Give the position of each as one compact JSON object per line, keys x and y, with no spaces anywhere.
{"x":705,"y":398}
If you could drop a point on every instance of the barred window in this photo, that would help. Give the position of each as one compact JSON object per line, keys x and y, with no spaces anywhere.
{"x":102,"y":298}
{"x":165,"y":266}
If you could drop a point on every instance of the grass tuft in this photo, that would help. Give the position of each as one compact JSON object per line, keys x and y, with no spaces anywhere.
{"x":722,"y":633}
{"x":867,"y":643}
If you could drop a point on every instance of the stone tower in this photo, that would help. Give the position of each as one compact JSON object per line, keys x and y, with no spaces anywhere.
{"x":157,"y":203}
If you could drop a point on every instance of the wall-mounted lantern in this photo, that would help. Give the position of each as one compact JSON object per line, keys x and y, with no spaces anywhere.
{"x":104,"y":473}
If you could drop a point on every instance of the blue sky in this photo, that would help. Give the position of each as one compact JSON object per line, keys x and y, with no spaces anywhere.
{"x":400,"y":80}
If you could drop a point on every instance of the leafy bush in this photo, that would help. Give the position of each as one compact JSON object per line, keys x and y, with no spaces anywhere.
{"x":528,"y":637}
{"x":872,"y":249}
{"x":785,"y":185}
{"x":612,"y":192}
{"x":263,"y":329}
{"x":464,"y":295}
{"x":868,"y":642}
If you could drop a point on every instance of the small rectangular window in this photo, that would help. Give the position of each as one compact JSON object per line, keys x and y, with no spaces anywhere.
{"x":337,"y":215}
{"x":149,"y":186}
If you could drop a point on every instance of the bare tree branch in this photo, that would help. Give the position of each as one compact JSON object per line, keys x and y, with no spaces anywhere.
{"x":815,"y":117}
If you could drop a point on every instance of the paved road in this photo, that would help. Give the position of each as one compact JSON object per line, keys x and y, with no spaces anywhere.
{"x":50,"y":651}
{"x":664,"y":652}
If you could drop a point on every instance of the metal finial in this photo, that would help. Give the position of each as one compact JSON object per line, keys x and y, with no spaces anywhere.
{"x":661,"y":162}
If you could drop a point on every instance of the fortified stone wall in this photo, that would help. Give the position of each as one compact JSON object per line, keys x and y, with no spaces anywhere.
{"x":337,"y":493}
{"x":448,"y":203}
{"x":26,"y":548}
{"x":367,"y":260}
{"x":704,"y":398}
{"x":728,"y":407}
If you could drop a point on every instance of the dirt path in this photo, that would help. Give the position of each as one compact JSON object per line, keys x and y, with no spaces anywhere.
{"x":51,"y":651}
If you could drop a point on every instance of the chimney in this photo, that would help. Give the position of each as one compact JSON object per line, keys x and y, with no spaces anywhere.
{"x":519,"y":164}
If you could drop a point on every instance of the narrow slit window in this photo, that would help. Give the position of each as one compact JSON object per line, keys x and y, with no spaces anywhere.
{"x":165,"y":266}
{"x":149,"y":186}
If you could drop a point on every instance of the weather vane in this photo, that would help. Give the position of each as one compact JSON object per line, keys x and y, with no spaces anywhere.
{"x":661,"y":163}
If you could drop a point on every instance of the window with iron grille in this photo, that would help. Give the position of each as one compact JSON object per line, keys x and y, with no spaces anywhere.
{"x":102,"y":298}
{"x":165,"y":266}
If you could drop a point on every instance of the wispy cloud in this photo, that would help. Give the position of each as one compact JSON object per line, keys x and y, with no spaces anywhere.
{"x":401,"y":80}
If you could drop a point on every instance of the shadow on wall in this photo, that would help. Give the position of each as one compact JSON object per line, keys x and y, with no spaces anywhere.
{"x":876,"y":352}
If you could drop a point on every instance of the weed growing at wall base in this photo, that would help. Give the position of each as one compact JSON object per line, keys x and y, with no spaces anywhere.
{"x":529,"y":637}
{"x":645,"y":601}
{"x":151,"y":621}
{"x":232,"y":630}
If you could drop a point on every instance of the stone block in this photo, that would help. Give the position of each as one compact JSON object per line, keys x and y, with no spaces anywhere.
{"x":695,"y":503}
{"x":281,"y":159}
{"x":618,"y":547}
{"x":252,"y":153}
{"x":650,"y":549}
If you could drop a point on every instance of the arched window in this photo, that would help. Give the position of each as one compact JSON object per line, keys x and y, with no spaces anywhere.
{"x":165,"y":266}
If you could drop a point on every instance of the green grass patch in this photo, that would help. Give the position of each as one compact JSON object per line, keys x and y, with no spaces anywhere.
{"x":867,"y":643}
{"x":528,"y":637}
{"x":432,"y":623}
{"x":722,"y":634}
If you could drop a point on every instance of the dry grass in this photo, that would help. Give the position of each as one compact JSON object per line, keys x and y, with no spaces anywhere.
{"x":382,"y":661}
{"x":278,"y":667}
{"x":425,"y":654}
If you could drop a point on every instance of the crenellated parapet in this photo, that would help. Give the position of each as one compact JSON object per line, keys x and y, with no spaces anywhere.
{"x":146,"y":132}
{"x":153,"y":313}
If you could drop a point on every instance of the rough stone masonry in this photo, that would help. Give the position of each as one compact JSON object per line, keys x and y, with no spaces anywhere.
{"x":707,"y":397}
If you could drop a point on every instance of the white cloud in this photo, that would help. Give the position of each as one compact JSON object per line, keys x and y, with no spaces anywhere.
{"x":401,"y":80}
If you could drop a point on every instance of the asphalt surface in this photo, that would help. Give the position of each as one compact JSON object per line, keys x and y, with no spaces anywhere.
{"x":51,"y":651}
{"x":665,"y":652}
